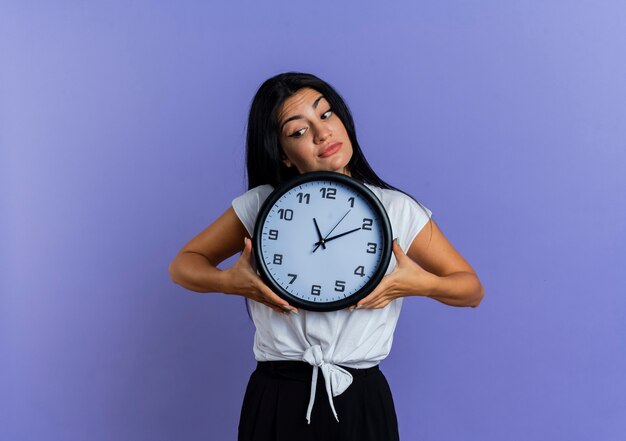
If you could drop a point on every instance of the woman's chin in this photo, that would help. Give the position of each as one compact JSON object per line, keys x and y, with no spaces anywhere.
{"x":339,"y":165}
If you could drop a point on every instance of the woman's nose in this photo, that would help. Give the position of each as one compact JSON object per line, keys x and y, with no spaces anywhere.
{"x":322,"y":133}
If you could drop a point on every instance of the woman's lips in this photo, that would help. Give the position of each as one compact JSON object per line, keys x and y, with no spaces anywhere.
{"x":331,"y":149}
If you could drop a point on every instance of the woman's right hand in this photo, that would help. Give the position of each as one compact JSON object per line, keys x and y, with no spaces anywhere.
{"x":243,"y":280}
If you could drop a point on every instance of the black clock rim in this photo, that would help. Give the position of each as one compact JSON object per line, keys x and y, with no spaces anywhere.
{"x":386,"y":246}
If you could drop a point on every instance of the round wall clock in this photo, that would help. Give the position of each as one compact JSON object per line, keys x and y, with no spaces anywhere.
{"x":322,"y":241}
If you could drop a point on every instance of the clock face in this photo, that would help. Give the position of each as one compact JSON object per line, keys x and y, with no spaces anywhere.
{"x":322,"y":241}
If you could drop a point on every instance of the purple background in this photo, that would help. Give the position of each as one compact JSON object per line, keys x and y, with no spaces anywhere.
{"x":122,"y":132}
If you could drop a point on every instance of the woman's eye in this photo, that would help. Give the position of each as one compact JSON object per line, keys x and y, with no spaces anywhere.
{"x":327,"y":114}
{"x":298,"y":133}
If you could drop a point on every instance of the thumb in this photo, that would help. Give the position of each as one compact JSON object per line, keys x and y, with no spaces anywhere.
{"x":247,"y":248}
{"x":397,"y":250}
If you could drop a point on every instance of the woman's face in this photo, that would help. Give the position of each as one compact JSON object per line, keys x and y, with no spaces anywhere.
{"x":313,"y":138}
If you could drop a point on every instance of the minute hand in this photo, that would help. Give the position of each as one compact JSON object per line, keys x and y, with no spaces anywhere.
{"x":342,"y":234}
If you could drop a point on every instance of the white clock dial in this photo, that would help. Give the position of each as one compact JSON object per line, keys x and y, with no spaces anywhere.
{"x":322,"y":241}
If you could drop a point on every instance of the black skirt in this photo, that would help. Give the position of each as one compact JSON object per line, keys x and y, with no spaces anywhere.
{"x":276,"y":400}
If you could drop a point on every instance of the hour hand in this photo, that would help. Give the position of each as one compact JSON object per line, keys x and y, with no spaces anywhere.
{"x":319,"y":235}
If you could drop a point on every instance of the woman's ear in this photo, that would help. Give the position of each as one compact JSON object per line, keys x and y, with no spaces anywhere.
{"x":285,"y":160}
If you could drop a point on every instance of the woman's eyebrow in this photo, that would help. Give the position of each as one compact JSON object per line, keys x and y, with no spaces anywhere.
{"x":317,"y":101}
{"x":291,"y":118}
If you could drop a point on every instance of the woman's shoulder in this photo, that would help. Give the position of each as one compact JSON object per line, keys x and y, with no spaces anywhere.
{"x":407,"y":215}
{"x":264,"y":189}
{"x":248,"y":204}
{"x":397,"y":200}
{"x":254,"y":196}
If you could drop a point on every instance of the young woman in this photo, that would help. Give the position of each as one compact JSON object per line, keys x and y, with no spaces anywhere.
{"x":297,"y":124}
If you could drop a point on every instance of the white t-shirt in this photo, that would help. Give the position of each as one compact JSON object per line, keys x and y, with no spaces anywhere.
{"x":358,"y":339}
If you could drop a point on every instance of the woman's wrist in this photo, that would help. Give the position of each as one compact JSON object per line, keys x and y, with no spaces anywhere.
{"x":225,"y":282}
{"x":433,"y":284}
{"x":420,"y":283}
{"x":458,"y":289}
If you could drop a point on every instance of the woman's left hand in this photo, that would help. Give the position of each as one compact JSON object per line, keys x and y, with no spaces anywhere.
{"x":407,"y":278}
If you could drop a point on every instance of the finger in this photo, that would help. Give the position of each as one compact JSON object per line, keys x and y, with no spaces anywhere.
{"x":247,"y":248}
{"x":276,"y":308}
{"x":275,"y":299}
{"x":285,"y":309}
{"x":363,"y":303}
{"x":380,"y":303}
{"x":398,"y":251}
{"x":272,"y":306}
{"x":378,"y":306}
{"x":371,"y":297}
{"x":264,"y":301}
{"x":373,"y":304}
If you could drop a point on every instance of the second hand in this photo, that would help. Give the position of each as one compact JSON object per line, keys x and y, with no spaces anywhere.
{"x":318,"y":245}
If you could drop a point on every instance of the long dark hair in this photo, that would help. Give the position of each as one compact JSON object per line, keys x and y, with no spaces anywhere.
{"x":263,"y":151}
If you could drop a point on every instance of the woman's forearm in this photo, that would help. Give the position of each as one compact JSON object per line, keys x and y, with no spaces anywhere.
{"x":194,"y":272}
{"x":458,"y":289}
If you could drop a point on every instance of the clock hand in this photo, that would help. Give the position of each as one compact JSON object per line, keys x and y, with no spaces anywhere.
{"x":339,"y":235}
{"x":319,"y":234}
{"x":319,"y":243}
